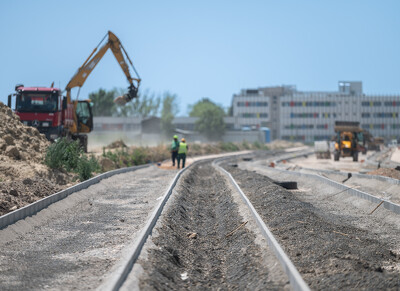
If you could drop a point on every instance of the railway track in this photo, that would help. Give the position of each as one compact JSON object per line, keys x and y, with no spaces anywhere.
{"x":382,"y":198}
{"x":203,"y":241}
{"x":329,"y":252}
{"x":220,"y":226}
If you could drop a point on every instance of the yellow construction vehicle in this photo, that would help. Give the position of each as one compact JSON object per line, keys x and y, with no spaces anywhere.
{"x":81,"y":125}
{"x":349,"y":140}
{"x":56,"y":115}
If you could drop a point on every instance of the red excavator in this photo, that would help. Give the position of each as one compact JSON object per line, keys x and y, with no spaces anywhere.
{"x":56,"y":115}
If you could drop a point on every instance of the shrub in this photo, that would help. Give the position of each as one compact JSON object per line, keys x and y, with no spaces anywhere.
{"x":259,"y":146}
{"x":68,"y":155}
{"x":245,"y":145}
{"x":228,"y":147}
{"x":139,"y":156}
{"x":63,"y":154}
{"x":195,"y":147}
{"x":84,"y":169}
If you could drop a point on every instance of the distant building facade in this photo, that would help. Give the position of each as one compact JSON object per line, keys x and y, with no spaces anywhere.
{"x":309,"y":116}
{"x":289,"y":114}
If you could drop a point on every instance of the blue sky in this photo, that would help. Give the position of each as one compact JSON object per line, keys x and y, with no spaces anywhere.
{"x":204,"y":48}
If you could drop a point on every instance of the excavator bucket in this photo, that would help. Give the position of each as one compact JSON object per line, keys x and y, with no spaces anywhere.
{"x":122,"y":100}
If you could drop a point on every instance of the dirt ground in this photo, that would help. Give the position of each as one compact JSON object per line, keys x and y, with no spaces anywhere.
{"x":23,"y":176}
{"x":329,"y":248}
{"x":343,"y":165}
{"x":195,"y":248}
{"x":74,"y":243}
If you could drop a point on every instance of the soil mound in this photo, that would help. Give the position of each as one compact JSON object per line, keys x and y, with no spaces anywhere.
{"x":117,"y":144}
{"x":391,"y":173}
{"x":17,"y":141}
{"x":23,"y":176}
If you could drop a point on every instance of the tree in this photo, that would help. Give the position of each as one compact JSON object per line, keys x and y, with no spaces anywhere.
{"x":103,"y":102}
{"x":168,"y":112}
{"x":211,"y":118}
{"x":230,"y":111}
{"x":145,"y":105}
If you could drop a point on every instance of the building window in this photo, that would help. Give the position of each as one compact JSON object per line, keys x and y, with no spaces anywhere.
{"x":254,"y":115}
{"x":309,"y":104}
{"x":371,"y":103}
{"x":386,"y":115}
{"x":252,"y":104}
{"x":392,"y":103}
{"x":304,"y":115}
{"x":299,"y":126}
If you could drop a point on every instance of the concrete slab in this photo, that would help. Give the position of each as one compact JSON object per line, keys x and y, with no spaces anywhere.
{"x":396,"y":156}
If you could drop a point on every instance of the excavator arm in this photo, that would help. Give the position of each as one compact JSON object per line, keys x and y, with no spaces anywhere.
{"x":119,"y":52}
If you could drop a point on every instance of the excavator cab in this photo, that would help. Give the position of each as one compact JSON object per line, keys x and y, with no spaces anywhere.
{"x":84,"y":115}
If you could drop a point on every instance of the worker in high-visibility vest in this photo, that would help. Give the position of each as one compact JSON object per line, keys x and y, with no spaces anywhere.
{"x":174,"y":149}
{"x":183,"y":149}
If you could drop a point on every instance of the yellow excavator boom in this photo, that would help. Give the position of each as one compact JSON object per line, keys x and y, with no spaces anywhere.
{"x":91,"y":62}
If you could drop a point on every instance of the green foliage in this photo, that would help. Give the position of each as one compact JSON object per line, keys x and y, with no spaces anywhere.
{"x":211,"y":118}
{"x":195,"y":147}
{"x":259,"y":146}
{"x":63,"y":154}
{"x":139,"y":156}
{"x":245,"y":145}
{"x":94,"y":164}
{"x":228,"y":147}
{"x":145,"y":105}
{"x":84,"y":168}
{"x":68,"y":155}
{"x":122,"y":158}
{"x":230,"y":111}
{"x":168,"y":112}
{"x":103,"y":102}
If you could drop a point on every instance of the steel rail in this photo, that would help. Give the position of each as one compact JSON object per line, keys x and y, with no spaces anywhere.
{"x":361,"y":194}
{"x":366,"y":176}
{"x":116,"y":280}
{"x":35,"y":207}
{"x":366,"y":196}
{"x":295,"y":278}
{"x":118,"y":277}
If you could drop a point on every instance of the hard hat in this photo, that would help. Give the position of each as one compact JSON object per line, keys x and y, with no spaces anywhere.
{"x":183,"y":139}
{"x":175,"y":136}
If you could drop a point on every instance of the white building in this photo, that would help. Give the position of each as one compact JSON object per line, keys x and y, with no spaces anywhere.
{"x":309,"y":116}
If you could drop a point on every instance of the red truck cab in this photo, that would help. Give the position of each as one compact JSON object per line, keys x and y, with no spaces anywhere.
{"x":43,"y":108}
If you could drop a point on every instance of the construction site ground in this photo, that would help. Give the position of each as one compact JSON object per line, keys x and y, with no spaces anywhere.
{"x":345,"y":164}
{"x":384,"y":163}
{"x":79,"y":241}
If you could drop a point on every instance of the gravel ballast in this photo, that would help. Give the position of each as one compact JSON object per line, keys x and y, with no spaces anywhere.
{"x":196,"y":247}
{"x":76,"y":242}
{"x":326,"y":245}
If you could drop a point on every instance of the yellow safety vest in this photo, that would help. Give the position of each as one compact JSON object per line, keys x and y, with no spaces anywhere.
{"x":182,"y":148}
